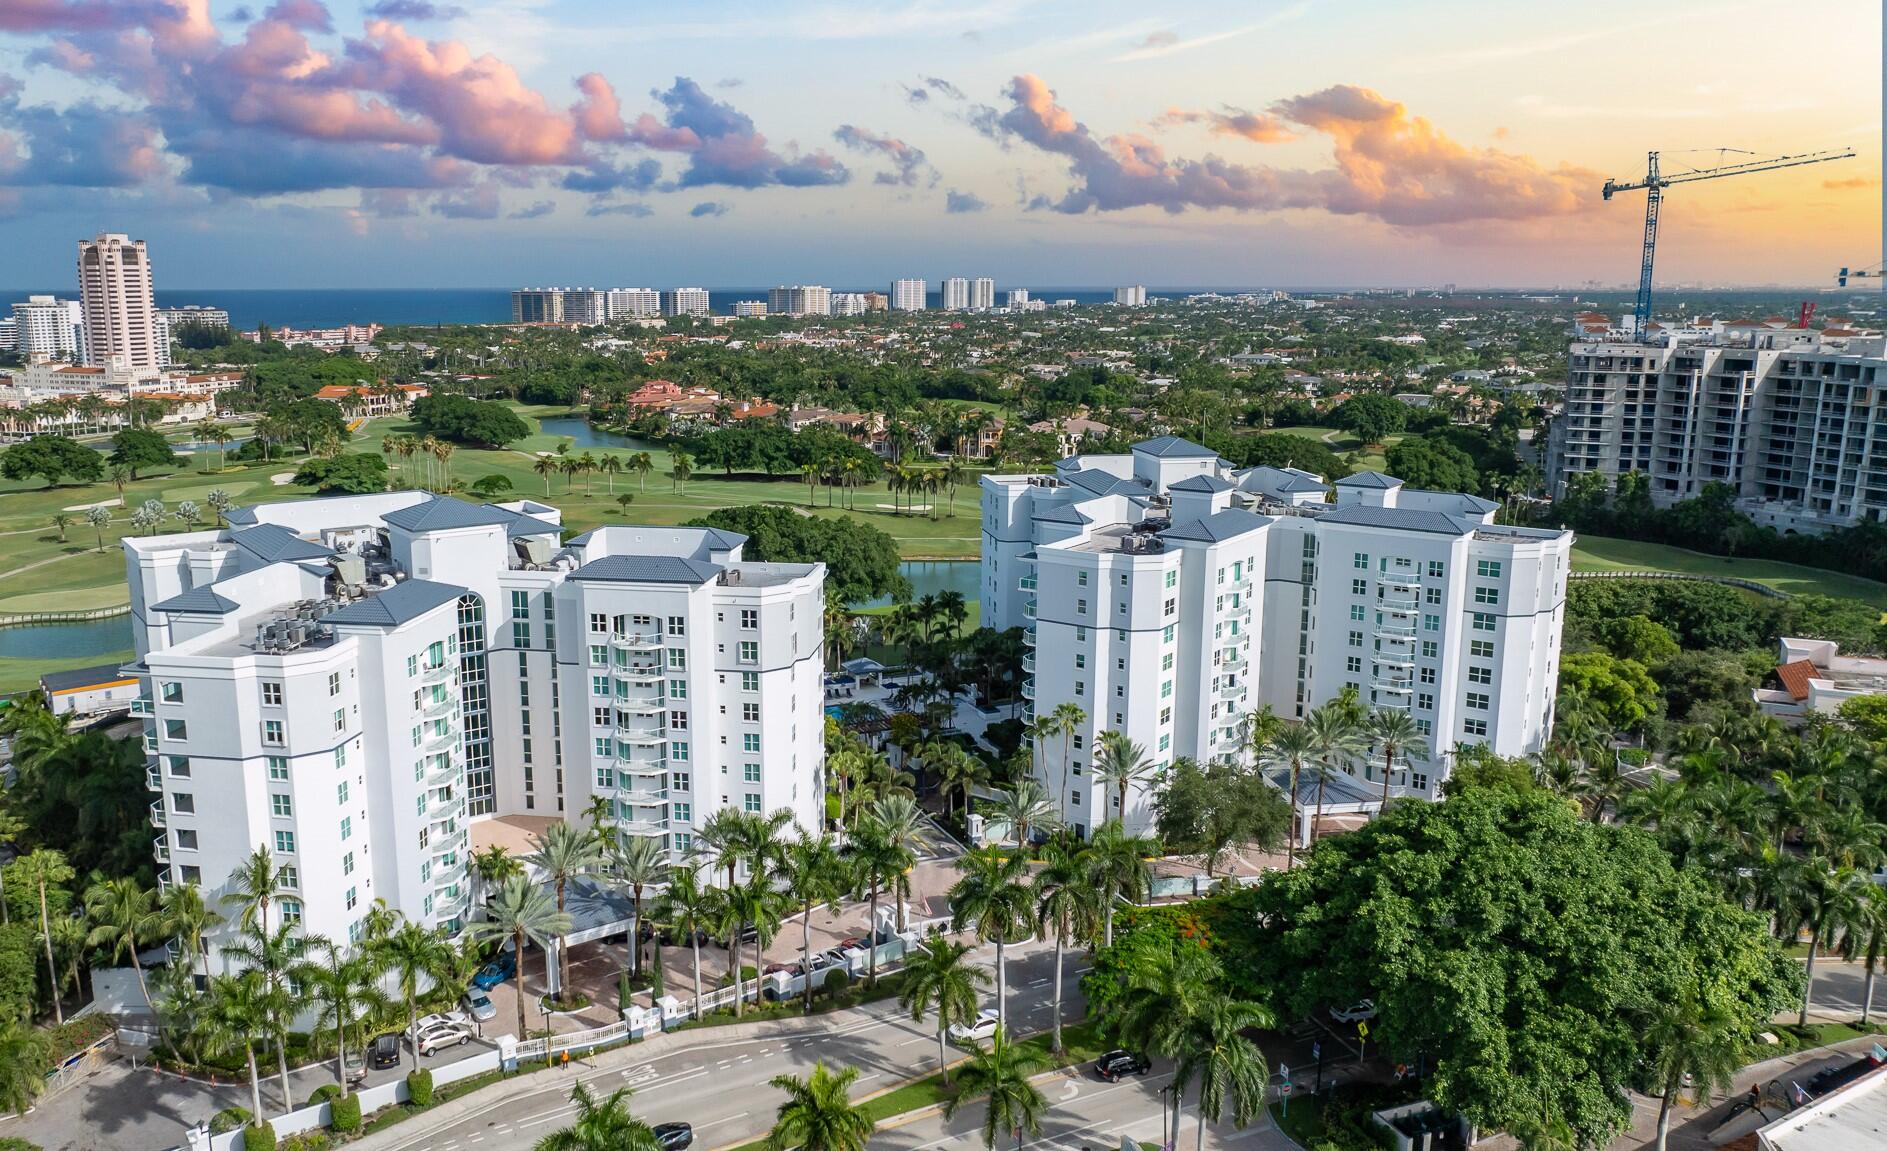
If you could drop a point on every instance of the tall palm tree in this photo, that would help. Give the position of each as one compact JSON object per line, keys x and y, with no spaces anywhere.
{"x":183,"y":915}
{"x":1391,"y":731}
{"x":46,"y":868}
{"x":642,"y":463}
{"x":236,"y":1010}
{"x":638,"y":861}
{"x":563,"y":852}
{"x":1867,"y":937}
{"x":60,"y":522}
{"x":252,"y":885}
{"x":1065,"y":907}
{"x":1121,"y":763}
{"x":955,"y":770}
{"x":272,"y":955}
{"x":99,"y":518}
{"x":601,"y":1125}
{"x":522,"y":912}
{"x":936,"y":977}
{"x":1116,"y":866}
{"x":124,"y":916}
{"x":1291,"y":748}
{"x":611,"y":466}
{"x":1340,"y":743}
{"x":686,"y":906}
{"x":753,"y":904}
{"x":546,"y":466}
{"x":993,"y":900}
{"x":1064,"y":720}
{"x":1688,"y":1038}
{"x":1021,"y":810}
{"x":681,"y":465}
{"x":413,"y":953}
{"x":901,"y":822}
{"x":1828,"y":901}
{"x":1215,"y":1051}
{"x":815,"y":875}
{"x":1000,"y":1074}
{"x":494,"y":865}
{"x":877,"y":862}
{"x":818,"y":1114}
{"x":344,"y":983}
{"x":24,"y":1052}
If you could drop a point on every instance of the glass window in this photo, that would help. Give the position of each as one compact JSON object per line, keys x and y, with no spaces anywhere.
{"x":750,"y":742}
{"x":278,"y":768}
{"x":334,"y":683}
{"x":347,"y":827}
{"x":750,"y":803}
{"x":1172,"y":578}
{"x":1480,"y":675}
{"x":1360,"y":561}
{"x":1487,"y":569}
{"x":750,"y":772}
{"x":279,"y":806}
{"x":272,"y":694}
{"x":1481,"y":648}
{"x":1477,"y":701}
{"x":176,"y":729}
{"x":285,"y":842}
{"x":1474,"y":727}
{"x":183,"y":801}
{"x":1483,"y":621}
{"x":1488,"y":595}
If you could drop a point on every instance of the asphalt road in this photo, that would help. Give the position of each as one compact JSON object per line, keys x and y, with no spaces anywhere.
{"x":722,"y":1087}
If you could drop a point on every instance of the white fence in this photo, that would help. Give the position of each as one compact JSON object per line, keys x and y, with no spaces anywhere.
{"x":372,"y":1099}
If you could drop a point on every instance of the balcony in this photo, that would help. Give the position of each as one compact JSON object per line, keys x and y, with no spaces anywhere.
{"x":636,"y":641}
{"x":1408,"y":584}
{"x":439,"y":706}
{"x":160,"y":849}
{"x":440,"y":807}
{"x":447,"y":846}
{"x":1026,"y":583}
{"x":1028,"y":637}
{"x":1390,"y":659}
{"x":645,"y":766}
{"x":143,"y":705}
{"x":638,"y":676}
{"x":154,"y":778}
{"x":444,"y":770}
{"x":1393,"y":686}
{"x":1028,"y":663}
{"x":436,"y":672}
{"x":641,"y":735}
{"x":1028,"y":715}
{"x":642,"y":796}
{"x":157,"y":814}
{"x":1395,"y":632}
{"x":643,"y":826}
{"x":164,"y":881}
{"x":1028,"y":689}
{"x":437,"y":739}
{"x":641,"y":704}
{"x":1229,"y":687}
{"x":1028,"y":608}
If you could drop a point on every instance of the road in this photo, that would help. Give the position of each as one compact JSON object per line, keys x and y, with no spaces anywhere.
{"x":721,"y":1087}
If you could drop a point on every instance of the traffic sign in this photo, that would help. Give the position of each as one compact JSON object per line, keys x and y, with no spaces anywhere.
{"x":1286,"y":1089}
{"x":1316,"y":1051}
{"x":1362,"y":1030}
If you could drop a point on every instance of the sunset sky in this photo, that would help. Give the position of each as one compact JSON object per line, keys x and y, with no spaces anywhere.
{"x":425,"y":143}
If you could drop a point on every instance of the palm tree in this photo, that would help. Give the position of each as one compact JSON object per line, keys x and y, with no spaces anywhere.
{"x":1065,"y":906}
{"x":1116,"y":867}
{"x":61,"y":521}
{"x":818,"y":1114}
{"x":992,"y":899}
{"x":1291,"y":748}
{"x":493,"y":865}
{"x":877,"y":862}
{"x":1000,"y":1073}
{"x":815,"y":875}
{"x":686,"y":906}
{"x":345,"y":985}
{"x":522,"y":912}
{"x":601,"y":1126}
{"x":183,"y":915}
{"x":123,"y":915}
{"x":1688,"y":1038}
{"x":642,"y":463}
{"x":1828,"y":901}
{"x":1393,"y":730}
{"x":220,"y":503}
{"x":413,"y":952}
{"x":24,"y":1052}
{"x":1121,"y":763}
{"x":546,"y":466}
{"x":1340,"y":742}
{"x":563,"y":852}
{"x":624,"y":500}
{"x":1021,"y":810}
{"x":45,"y":868}
{"x":1215,"y":1052}
{"x":753,"y":904}
{"x":935,"y":976}
{"x":955,"y":769}
{"x":586,"y":463}
{"x":638,"y":861}
{"x":810,"y":473}
{"x":611,"y":466}
{"x":236,"y":1010}
{"x":273,"y":955}
{"x":901,"y":822}
{"x":98,"y":517}
{"x":1065,"y":720}
{"x":680,"y":466}
{"x":1868,"y":936}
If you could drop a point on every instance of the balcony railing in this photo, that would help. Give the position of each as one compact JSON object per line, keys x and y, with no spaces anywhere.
{"x":641,"y":736}
{"x":642,"y":797}
{"x":1229,"y":687}
{"x":637,"y":641}
{"x":1028,"y":637}
{"x":643,"y":826}
{"x":642,"y":765}
{"x":436,"y":672}
{"x":434,"y":707}
{"x":641,"y":704}
{"x":640,"y":675}
{"x":160,"y":848}
{"x":1026,"y":583}
{"x":1028,"y":689}
{"x":1028,"y":608}
{"x":437,"y":738}
{"x":154,"y":778}
{"x":1028,"y":663}
{"x":143,"y":705}
{"x":157,"y":814}
{"x":1396,"y":633}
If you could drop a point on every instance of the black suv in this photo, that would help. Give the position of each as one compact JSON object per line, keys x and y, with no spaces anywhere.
{"x":673,"y":1136}
{"x":384,"y":1052}
{"x":1116,"y":1064}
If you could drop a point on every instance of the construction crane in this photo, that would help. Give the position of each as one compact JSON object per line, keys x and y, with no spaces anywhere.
{"x":1654,"y":184}
{"x":1872,"y":273}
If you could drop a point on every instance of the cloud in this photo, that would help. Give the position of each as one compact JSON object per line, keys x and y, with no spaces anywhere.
{"x":1851,"y":182}
{"x":1162,"y":39}
{"x":724,"y":147}
{"x":1390,"y":165}
{"x":908,"y":160}
{"x":82,"y":146}
{"x":601,"y":176}
{"x":730,"y":82}
{"x":536,"y":211}
{"x":637,"y":210}
{"x":956,"y":202}
{"x":1166,"y":43}
{"x":709,"y":208}
{"x":1258,"y":127}
{"x":412,"y":10}
{"x":479,"y":202}
{"x":944,"y":86}
{"x":917,"y":95}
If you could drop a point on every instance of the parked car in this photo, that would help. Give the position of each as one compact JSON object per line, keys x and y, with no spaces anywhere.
{"x":673,"y":938}
{"x":356,"y":1067}
{"x":673,"y":1136}
{"x":1356,"y":1012}
{"x":789,"y":968}
{"x":496,"y":972}
{"x":855,"y":943}
{"x":479,"y":1005}
{"x":443,"y":1019}
{"x":1117,"y":1065}
{"x":835,"y":958}
{"x":440,"y":1036}
{"x":982,"y":1027}
{"x":384,"y":1051}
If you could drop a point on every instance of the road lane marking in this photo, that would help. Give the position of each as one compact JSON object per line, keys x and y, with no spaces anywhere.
{"x":728,"y":1119}
{"x":919,"y":1039}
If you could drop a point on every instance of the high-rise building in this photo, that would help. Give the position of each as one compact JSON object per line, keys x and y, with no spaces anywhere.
{"x":1134,"y":297}
{"x":121,"y":323}
{"x":982,"y":294}
{"x":956,"y":294}
{"x":1787,"y":418}
{"x":908,"y":295}
{"x":1168,"y":596}
{"x":800,"y":300}
{"x":749,"y":309}
{"x":685,"y":302}
{"x":585,"y":306}
{"x":1018,"y":299}
{"x":198,"y":315}
{"x":853,"y":303}
{"x":537,"y":306}
{"x":634,"y":303}
{"x":47,"y":328}
{"x":359,"y":684}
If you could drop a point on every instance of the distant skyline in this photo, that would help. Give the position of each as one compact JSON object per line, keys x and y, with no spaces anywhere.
{"x":414,"y":144}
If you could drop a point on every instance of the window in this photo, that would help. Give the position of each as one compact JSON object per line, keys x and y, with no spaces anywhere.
{"x":1425,"y":702}
{"x":1480,"y":675}
{"x":352,"y":898}
{"x":1167,"y":633}
{"x":1489,"y":595}
{"x":750,"y":681}
{"x":1166,"y":661}
{"x":749,"y":651}
{"x":1081,"y":635}
{"x":1430,"y":649}
{"x":1431,"y":596}
{"x":678,"y":751}
{"x":279,"y":806}
{"x":1353,"y":663}
{"x":1356,"y":612}
{"x":1487,"y":569}
{"x":340,"y":719}
{"x":1081,"y":579}
{"x":678,"y":720}
{"x":750,"y":713}
{"x":340,"y":792}
{"x":520,"y":633}
{"x":291,"y":911}
{"x":1425,"y":727}
{"x":1477,"y":700}
{"x":176,"y":729}
{"x":347,"y":827}
{"x":750,"y":772}
{"x":1428,"y":675}
{"x":1166,"y":741}
{"x":1166,"y":716}
{"x":605,"y":778}
{"x":285,"y":842}
{"x":184,"y":802}
{"x":1360,"y":561}
{"x":601,"y":747}
{"x":750,"y":742}
{"x":1172,"y":578}
{"x":179,"y":766}
{"x":1356,"y":639}
{"x":1431,"y":623}
{"x":520,"y":605}
{"x":1435,"y":569}
{"x":334,"y":683}
{"x":1166,"y":689}
{"x":599,"y":622}
{"x":347,"y":864}
{"x":1483,"y":621}
{"x":677,"y":625}
{"x":1081,"y":688}
{"x":749,"y":619}
{"x":679,"y":812}
{"x":271,"y":694}
{"x":1418,"y":781}
{"x":678,"y":689}
{"x":278,"y":768}
{"x":1481,"y":648}
{"x":186,"y":839}
{"x":599,"y":654}
{"x":599,"y":685}
{"x":1081,"y":607}
{"x":1474,"y":727}
{"x":170,"y":691}
{"x":680,"y":781}
{"x":1170,"y":609}
{"x":750,"y":804}
{"x":1359,"y":587}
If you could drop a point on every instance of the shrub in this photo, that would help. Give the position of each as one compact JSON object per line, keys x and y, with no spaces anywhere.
{"x":838,"y":981}
{"x":419,"y":1087}
{"x":228,"y":1119}
{"x":306,"y":1141}
{"x":324,"y":1093}
{"x":10,"y":1144}
{"x":258,"y":1137}
{"x":346,"y":1114}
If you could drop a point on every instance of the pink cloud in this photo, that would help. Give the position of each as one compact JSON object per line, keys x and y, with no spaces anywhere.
{"x":599,"y":113}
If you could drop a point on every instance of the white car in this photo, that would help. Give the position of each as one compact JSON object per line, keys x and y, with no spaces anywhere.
{"x":440,"y":1036}
{"x":444,"y":1019}
{"x":479,"y":1005}
{"x":981,"y":1028}
{"x":1356,"y":1012}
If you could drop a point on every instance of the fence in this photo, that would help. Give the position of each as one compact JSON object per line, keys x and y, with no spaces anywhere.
{"x":1760,"y":589}
{"x":319,"y":1115}
{"x":28,"y":618}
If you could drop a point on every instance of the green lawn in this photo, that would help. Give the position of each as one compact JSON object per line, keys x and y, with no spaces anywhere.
{"x":1601,"y":553}
{"x":1340,"y":442}
{"x":23,"y":674}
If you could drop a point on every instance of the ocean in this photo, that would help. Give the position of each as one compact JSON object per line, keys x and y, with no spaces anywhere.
{"x":329,"y":307}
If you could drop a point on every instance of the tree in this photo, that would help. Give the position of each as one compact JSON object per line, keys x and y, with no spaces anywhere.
{"x":413,"y":953}
{"x":491,"y":486}
{"x":861,"y":561}
{"x":188,"y":513}
{"x":564,"y":851}
{"x":992,"y":899}
{"x":1691,"y":1040}
{"x":1393,"y":730}
{"x":354,"y":473}
{"x":1120,"y":764}
{"x":877,"y":860}
{"x":220,"y":503}
{"x":1638,"y":638}
{"x":937,"y":978}
{"x":900,"y":821}
{"x":98,"y":517}
{"x":1066,"y":908}
{"x":681,"y":465}
{"x":1021,"y":811}
{"x":687,"y":907}
{"x":818,"y":1114}
{"x":183,"y":915}
{"x":60,"y":522}
{"x":1210,"y":810}
{"x":1290,"y":749}
{"x":638,"y":861}
{"x":43,"y":869}
{"x":1064,"y":720}
{"x":1215,"y":1051}
{"x":1828,"y":900}
{"x":235,"y":1011}
{"x":1371,"y":417}
{"x":1000,"y":1074}
{"x":307,"y":421}
{"x":136,"y":449}
{"x":601,"y":1125}
{"x":546,"y":466}
{"x":464,"y":420}
{"x":24,"y":1054}
{"x":642,"y":463}
{"x":1116,"y":866}
{"x":1619,"y":691}
{"x":52,"y":458}
{"x":345,"y":985}
{"x":124,"y":917}
{"x":815,"y":875}
{"x":1433,"y":464}
{"x":522,"y":912}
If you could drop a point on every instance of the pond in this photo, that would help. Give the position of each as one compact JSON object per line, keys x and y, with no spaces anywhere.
{"x":98,"y":637}
{"x":934,"y":577}
{"x":578,"y":431}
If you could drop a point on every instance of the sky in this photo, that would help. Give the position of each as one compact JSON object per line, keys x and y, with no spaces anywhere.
{"x":1295,"y":143}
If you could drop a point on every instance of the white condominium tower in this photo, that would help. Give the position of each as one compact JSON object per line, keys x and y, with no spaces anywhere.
{"x":585,"y":306}
{"x":956,"y":294}
{"x":358,"y":683}
{"x":799,"y":300}
{"x":537,"y":306}
{"x":121,"y":323}
{"x":1792,"y":420}
{"x":633,"y":303}
{"x":1134,"y":297}
{"x":46,"y":328}
{"x":1167,"y":596}
{"x":685,"y":302}
{"x":907,"y":295}
{"x":982,"y":294}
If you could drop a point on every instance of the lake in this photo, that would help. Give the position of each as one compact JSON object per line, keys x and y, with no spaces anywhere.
{"x":578,"y":431}
{"x":98,"y":637}
{"x":934,"y":577}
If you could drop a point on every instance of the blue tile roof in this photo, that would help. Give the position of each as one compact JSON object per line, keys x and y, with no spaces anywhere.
{"x":1210,"y":485}
{"x":403,"y":601}
{"x":1172,"y":447}
{"x":647,"y":569}
{"x":197,"y":601}
{"x":1369,"y":480}
{"x":272,"y":542}
{"x":444,"y":513}
{"x":1062,"y":514}
{"x":1400,"y":519}
{"x":1217,"y":527}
